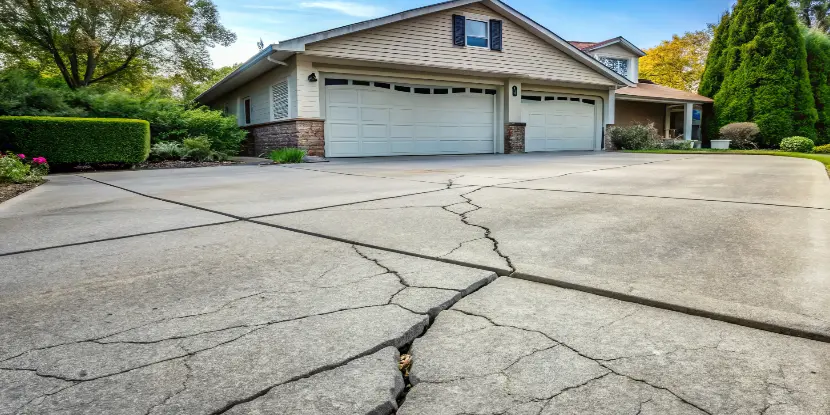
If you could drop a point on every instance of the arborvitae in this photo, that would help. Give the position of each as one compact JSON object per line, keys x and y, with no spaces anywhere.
{"x":818,"y":64}
{"x":712,"y":77}
{"x":765,"y":73}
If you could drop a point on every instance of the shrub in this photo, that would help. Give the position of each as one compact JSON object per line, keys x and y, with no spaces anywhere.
{"x":16,"y":168}
{"x":825,"y":149}
{"x":287,"y":155}
{"x":742,"y":134}
{"x":223,"y":132}
{"x":797,"y":145}
{"x":167,"y":150}
{"x":77,"y":140}
{"x":197,"y":148}
{"x":633,"y":137}
{"x":675,"y":144}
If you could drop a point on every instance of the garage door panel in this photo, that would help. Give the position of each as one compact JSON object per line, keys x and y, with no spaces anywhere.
{"x":374,"y":115}
{"x":337,"y":113}
{"x":374,"y":131}
{"x":402,"y":131}
{"x":343,"y":130}
{"x":371,"y":121}
{"x":343,"y":96}
{"x":345,"y":149}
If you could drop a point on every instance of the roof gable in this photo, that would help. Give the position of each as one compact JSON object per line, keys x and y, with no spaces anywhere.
{"x":517,"y":19}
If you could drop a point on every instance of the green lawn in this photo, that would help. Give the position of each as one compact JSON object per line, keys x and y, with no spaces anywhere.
{"x":821,"y":158}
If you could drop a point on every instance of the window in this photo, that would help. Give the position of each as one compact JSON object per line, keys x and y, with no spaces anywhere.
{"x":424,"y":91}
{"x":279,"y":100}
{"x":361,"y":83}
{"x":247,"y":105}
{"x":440,"y":91}
{"x":531,"y":98}
{"x":402,"y":88}
{"x":490,"y":91}
{"x":476,"y":91}
{"x":332,"y":81}
{"x":225,"y":109}
{"x":459,"y":90}
{"x":617,"y":65}
{"x":477,"y":34}
{"x":383,"y":85}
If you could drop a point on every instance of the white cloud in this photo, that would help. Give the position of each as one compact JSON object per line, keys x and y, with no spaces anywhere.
{"x":345,"y":7}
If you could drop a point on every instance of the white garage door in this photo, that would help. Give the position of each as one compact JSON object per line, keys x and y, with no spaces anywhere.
{"x":560,"y":122}
{"x":366,"y":118}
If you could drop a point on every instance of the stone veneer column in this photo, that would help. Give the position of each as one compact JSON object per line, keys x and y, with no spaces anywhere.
{"x":514,"y":137}
{"x":306,"y":134}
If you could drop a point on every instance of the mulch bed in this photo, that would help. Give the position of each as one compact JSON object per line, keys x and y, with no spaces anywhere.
{"x":10,"y":190}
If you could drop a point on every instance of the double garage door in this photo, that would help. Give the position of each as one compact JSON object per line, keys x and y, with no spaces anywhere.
{"x":368,"y":118}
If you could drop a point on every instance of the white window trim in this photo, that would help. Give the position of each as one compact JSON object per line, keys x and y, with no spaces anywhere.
{"x":288,"y":98}
{"x":486,"y":33}
{"x":620,"y":58}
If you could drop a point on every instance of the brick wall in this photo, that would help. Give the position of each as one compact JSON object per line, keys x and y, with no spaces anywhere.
{"x":307,"y":134}
{"x":514,"y":137}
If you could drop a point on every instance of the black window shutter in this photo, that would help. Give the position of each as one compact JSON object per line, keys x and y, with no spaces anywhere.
{"x":459,"y":35}
{"x":495,"y":34}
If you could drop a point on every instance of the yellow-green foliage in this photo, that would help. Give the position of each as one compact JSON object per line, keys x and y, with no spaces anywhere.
{"x":825,"y":149}
{"x":77,"y":140}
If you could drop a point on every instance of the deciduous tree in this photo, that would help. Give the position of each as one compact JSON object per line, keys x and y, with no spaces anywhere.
{"x":679,"y":62}
{"x":90,"y":41}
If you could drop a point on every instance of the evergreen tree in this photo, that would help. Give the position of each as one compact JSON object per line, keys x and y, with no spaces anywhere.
{"x":713,"y":71}
{"x":765,"y":73}
{"x":818,"y":64}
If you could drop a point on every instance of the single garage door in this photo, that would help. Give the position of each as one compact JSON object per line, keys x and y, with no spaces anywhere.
{"x":367,"y":118}
{"x":560,"y":122}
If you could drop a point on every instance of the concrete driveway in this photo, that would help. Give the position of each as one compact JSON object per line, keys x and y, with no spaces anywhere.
{"x":529,"y":284}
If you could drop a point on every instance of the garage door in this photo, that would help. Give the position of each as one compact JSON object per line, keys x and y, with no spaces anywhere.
{"x":367,"y":118}
{"x":559,"y":122}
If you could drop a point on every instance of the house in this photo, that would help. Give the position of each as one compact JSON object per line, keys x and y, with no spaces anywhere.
{"x":459,"y":77}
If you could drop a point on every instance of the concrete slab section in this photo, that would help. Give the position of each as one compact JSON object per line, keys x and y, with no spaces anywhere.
{"x":71,"y":209}
{"x":261,"y":190}
{"x":558,"y":351}
{"x":751,"y":179}
{"x":485,"y":170}
{"x":753,"y":262}
{"x":203,"y":320}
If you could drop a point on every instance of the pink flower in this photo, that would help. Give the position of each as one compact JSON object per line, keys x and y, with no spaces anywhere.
{"x":23,"y":156}
{"x":39,"y":160}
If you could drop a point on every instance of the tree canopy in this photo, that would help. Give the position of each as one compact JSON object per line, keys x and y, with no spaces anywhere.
{"x":814,"y":13}
{"x":679,"y":62}
{"x":818,"y":63}
{"x":764,"y":69}
{"x":90,"y":41}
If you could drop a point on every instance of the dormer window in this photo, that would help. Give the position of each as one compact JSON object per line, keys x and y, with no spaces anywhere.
{"x":477,"y":34}
{"x":617,"y":65}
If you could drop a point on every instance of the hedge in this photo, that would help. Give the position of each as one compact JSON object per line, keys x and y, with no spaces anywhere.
{"x":77,"y":140}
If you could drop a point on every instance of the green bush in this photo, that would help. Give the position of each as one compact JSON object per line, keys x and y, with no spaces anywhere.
{"x":77,"y":140}
{"x":287,"y":155}
{"x":741,"y":134}
{"x":825,"y":149}
{"x":797,"y":145}
{"x":197,"y":148}
{"x":633,"y":137}
{"x":167,"y":150}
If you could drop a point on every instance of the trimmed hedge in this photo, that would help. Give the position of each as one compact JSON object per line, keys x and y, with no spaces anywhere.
{"x":77,"y":140}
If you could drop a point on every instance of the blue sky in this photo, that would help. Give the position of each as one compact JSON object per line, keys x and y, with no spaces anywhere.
{"x":643,"y":22}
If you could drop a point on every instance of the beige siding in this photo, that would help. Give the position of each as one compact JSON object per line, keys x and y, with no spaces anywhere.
{"x":308,"y":93}
{"x":259,"y":90}
{"x":427,"y":41}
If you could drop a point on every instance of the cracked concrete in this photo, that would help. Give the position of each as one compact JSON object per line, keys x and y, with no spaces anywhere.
{"x":243,"y":317}
{"x":514,"y":344}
